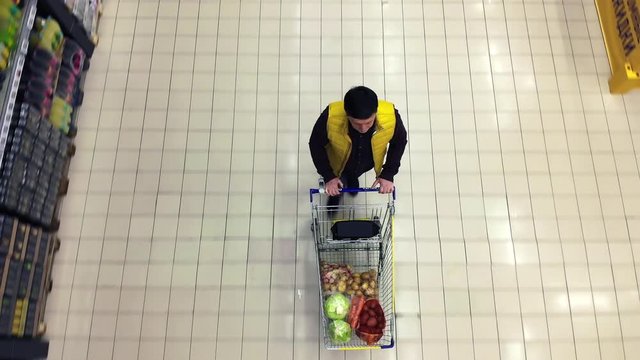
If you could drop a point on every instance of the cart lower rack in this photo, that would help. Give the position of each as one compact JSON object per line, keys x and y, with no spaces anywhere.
{"x":355,"y":258}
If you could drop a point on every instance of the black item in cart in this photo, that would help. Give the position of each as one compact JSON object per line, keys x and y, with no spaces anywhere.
{"x":355,"y":229}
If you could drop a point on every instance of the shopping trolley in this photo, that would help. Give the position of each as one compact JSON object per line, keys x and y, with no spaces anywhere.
{"x":351,"y":240}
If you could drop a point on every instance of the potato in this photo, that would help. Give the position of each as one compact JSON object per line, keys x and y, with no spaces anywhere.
{"x":350,"y":292}
{"x":369,"y":292}
{"x":365,"y":276}
{"x":334,"y":288}
{"x":373,"y":284}
{"x":342,"y":286}
{"x":355,"y":286}
{"x":359,"y":293}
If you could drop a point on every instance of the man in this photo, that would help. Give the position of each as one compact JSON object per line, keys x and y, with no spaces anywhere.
{"x":352,"y":137}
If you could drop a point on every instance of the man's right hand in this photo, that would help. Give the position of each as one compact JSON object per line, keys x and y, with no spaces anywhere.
{"x":333,"y":186}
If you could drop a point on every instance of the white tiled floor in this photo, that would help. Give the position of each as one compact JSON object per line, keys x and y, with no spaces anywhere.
{"x":186,"y":232}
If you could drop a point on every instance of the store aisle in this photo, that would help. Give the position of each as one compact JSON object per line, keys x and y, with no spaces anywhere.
{"x":185,"y":233}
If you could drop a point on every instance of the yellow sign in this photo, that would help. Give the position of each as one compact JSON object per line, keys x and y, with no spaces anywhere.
{"x":620,"y":23}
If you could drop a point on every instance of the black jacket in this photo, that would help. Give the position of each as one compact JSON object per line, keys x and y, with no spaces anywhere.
{"x":361,"y":158}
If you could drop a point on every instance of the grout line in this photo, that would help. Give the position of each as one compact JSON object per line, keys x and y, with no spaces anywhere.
{"x":626,"y":218}
{"x":411,"y":186}
{"x":255,"y":134}
{"x":175,"y":246}
{"x":504,"y":179}
{"x":435,"y":197}
{"x":595,"y":176}
{"x":580,"y":218}
{"x":533,"y":216}
{"x":233,"y":118}
{"x":133,"y":194}
{"x":195,"y":286}
{"x":295,"y":269}
{"x":83,"y":218}
{"x":115,"y":161}
{"x":455,"y":157}
{"x":275,"y":183}
{"x":157,"y":191}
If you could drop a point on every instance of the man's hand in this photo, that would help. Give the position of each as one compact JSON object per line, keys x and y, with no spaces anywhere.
{"x":333,"y":186}
{"x":386,"y":186}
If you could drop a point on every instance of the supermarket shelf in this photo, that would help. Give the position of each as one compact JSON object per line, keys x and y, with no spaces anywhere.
{"x":71,"y":26}
{"x":17,"y":60}
{"x":23,"y":349}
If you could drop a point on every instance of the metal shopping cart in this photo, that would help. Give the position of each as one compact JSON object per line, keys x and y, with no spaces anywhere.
{"x":354,"y":244}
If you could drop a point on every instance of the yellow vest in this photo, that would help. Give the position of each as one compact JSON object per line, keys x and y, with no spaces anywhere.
{"x":339,"y":147}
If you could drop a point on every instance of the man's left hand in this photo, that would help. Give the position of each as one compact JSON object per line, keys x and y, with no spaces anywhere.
{"x":386,"y":186}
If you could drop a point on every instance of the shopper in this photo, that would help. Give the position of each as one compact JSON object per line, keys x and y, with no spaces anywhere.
{"x":352,"y":137}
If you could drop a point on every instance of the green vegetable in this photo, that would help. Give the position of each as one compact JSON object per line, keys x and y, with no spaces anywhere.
{"x":336,"y":307}
{"x":339,"y":331}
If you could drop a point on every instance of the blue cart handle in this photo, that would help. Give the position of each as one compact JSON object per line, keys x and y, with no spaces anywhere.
{"x":349,"y":190}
